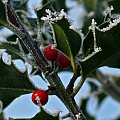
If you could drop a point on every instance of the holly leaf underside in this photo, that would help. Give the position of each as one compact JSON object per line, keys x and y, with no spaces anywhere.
{"x":109,"y":42}
{"x":68,"y":41}
{"x":42,"y":115}
{"x":13,"y":83}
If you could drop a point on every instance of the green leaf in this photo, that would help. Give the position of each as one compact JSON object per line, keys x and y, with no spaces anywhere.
{"x":33,"y":23}
{"x":11,"y":48}
{"x":68,"y":41}
{"x":20,"y":4}
{"x":42,"y":115}
{"x":101,"y":97}
{"x":2,"y":116}
{"x":115,"y":4}
{"x":98,"y":10}
{"x":13,"y":83}
{"x":3,"y":19}
{"x":41,"y":12}
{"x":12,"y":38}
{"x":83,"y":107}
{"x":109,"y":42}
{"x":94,"y":87}
{"x":60,"y":4}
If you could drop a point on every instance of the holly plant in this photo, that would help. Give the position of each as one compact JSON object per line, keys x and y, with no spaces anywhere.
{"x":47,"y":42}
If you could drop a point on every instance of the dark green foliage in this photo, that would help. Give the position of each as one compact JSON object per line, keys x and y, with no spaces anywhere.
{"x":109,"y":43}
{"x":42,"y":115}
{"x":13,"y":81}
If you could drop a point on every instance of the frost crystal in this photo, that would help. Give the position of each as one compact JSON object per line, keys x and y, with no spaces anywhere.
{"x":78,"y":116}
{"x":111,"y":25}
{"x":96,"y":49}
{"x":108,"y":10}
{"x":54,"y":16}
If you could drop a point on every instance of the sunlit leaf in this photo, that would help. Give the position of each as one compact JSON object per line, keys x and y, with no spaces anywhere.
{"x":68,"y":41}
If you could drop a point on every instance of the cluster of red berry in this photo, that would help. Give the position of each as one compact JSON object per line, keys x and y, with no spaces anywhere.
{"x":53,"y":54}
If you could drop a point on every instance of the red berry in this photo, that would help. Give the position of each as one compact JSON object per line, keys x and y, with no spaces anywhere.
{"x":40,"y":96}
{"x":50,"y":53}
{"x":63,"y":61}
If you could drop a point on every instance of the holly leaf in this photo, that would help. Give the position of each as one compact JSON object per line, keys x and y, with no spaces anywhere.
{"x":109,"y":41}
{"x":42,"y":115}
{"x":68,"y":41}
{"x":13,"y":83}
{"x":115,"y":4}
{"x":11,"y":48}
{"x":20,"y":4}
{"x":33,"y":23}
{"x":60,"y":4}
{"x":41,"y":12}
{"x":84,"y":110}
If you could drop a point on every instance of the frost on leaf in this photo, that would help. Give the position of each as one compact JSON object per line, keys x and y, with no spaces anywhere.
{"x":112,"y":24}
{"x":96,"y":49}
{"x":53,"y":16}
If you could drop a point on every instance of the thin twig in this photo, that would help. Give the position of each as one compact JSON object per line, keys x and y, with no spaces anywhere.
{"x":70,"y":86}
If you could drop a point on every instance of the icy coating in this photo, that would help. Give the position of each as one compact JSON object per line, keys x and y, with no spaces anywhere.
{"x":54,"y":16}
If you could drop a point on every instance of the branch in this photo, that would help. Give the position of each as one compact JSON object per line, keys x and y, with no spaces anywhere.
{"x":70,"y":86}
{"x":43,"y":65}
{"x":110,"y":87}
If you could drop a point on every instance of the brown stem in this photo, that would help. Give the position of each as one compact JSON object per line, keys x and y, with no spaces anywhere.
{"x":70,"y":86}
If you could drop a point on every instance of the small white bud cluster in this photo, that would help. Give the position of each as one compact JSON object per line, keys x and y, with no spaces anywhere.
{"x":54,"y":16}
